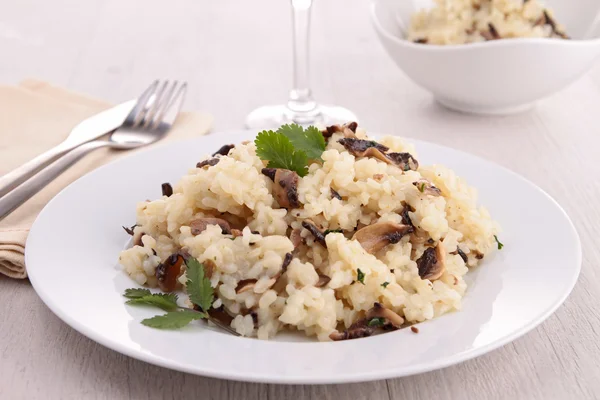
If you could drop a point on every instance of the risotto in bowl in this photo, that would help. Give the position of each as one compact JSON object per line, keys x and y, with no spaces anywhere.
{"x":330,"y":233}
{"x":489,"y":56}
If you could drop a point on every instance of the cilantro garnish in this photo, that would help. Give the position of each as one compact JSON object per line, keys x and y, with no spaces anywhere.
{"x":201,"y":294}
{"x":167,"y":302}
{"x":360,"y":276}
{"x":384,"y":284}
{"x":328,"y":231}
{"x":173,"y":320}
{"x":500,"y":245}
{"x":198,"y":285}
{"x":421,"y":187}
{"x":309,"y":140}
{"x":376,"y":322}
{"x":290,"y":147}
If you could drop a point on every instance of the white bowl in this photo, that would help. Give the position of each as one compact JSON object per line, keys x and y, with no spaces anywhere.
{"x":495,"y":77}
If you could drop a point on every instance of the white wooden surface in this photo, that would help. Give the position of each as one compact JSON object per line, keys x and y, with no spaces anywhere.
{"x":236,"y":55}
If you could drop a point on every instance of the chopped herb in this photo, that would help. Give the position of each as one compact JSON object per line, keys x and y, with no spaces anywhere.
{"x":385,"y":284}
{"x":376,"y":322}
{"x":500,"y":245}
{"x":421,"y":187}
{"x":328,"y":231}
{"x":360,"y":276}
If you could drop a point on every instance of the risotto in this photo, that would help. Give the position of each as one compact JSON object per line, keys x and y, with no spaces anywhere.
{"x":367,"y":234}
{"x":470,"y":21}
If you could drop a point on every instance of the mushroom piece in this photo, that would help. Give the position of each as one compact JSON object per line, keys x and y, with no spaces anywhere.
{"x":548,"y":20}
{"x":296,"y":238}
{"x":370,"y":148}
{"x":404,"y":161}
{"x":129,"y":230}
{"x":335,"y":194}
{"x":224,"y":150}
{"x":167,"y":189}
{"x":199,"y":225}
{"x":285,"y":189}
{"x":323,"y":280}
{"x":379,"y":311}
{"x":431,"y":264}
{"x":348,"y":129}
{"x":244,"y":285}
{"x":375,"y":237}
{"x":427,"y":188}
{"x":357,"y":330}
{"x":209,"y":267}
{"x":461,"y":254}
{"x":168,"y":271}
{"x":318,"y":234}
{"x":211,"y":162}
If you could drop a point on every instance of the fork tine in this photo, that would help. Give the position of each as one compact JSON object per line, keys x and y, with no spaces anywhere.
{"x":155,"y":106}
{"x":167,"y":99}
{"x":137,"y":114}
{"x":171,"y":107}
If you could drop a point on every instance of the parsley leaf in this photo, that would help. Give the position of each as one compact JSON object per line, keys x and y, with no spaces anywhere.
{"x":360,"y":276}
{"x":279,"y":151}
{"x":384,"y":284}
{"x":500,"y":244}
{"x":135,"y":293}
{"x":376,"y":322}
{"x":167,"y":302}
{"x":173,"y":320}
{"x":328,"y":231}
{"x":198,"y":285}
{"x":310,"y":141}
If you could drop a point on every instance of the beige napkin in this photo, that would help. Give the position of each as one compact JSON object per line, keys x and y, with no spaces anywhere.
{"x":36,"y":116}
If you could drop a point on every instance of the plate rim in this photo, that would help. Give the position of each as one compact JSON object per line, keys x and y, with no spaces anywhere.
{"x":303,"y":378}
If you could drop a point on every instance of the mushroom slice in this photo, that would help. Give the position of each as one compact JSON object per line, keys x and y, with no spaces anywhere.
{"x":404,"y":161}
{"x":211,"y":162}
{"x":316,"y":232}
{"x":461,"y":254}
{"x":359,"y":147}
{"x":284,"y":266}
{"x":335,"y":194}
{"x":369,"y":148}
{"x":129,"y":230}
{"x":323,"y":280}
{"x":224,"y":150}
{"x":296,"y":238}
{"x":427,"y":188}
{"x":244,"y":285}
{"x":285,"y":189}
{"x":167,"y":189}
{"x":348,"y":129}
{"x":357,"y":330}
{"x":432,"y":263}
{"x":379,"y":311}
{"x":199,"y":225}
{"x":209,"y":267}
{"x":168,"y":271}
{"x":375,"y":237}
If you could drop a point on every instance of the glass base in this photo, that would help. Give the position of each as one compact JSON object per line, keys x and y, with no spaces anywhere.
{"x":275,"y":116}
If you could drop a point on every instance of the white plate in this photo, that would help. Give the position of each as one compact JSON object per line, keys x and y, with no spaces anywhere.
{"x":73,"y":247}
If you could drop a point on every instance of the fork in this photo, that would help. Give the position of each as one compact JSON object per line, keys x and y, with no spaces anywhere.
{"x":148,"y":122}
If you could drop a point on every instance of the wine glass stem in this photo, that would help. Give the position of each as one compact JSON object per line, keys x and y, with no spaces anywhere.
{"x":301,"y":100}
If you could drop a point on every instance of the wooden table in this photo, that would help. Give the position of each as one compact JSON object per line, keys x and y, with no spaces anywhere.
{"x":236,"y":56}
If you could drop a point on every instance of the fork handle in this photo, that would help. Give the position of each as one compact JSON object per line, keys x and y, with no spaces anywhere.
{"x":20,"y":174}
{"x":22,"y":193}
